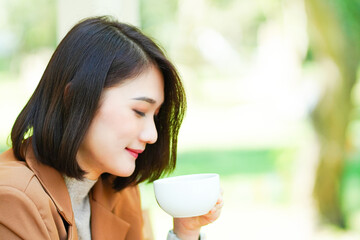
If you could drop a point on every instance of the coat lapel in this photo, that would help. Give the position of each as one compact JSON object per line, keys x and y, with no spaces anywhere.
{"x":54,"y":184}
{"x":105,"y":224}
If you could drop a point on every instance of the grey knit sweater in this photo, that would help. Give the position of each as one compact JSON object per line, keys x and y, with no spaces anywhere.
{"x":79,"y":195}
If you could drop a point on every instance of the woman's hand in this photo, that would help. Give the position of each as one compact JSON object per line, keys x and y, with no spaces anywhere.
{"x":189,"y":228}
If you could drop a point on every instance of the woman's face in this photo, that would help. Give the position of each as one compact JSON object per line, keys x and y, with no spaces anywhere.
{"x":122,"y":126}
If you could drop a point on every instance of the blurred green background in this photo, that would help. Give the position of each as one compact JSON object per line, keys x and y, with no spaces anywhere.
{"x":273,"y":102}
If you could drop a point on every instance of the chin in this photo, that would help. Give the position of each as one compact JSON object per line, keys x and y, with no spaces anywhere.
{"x":124,"y":173}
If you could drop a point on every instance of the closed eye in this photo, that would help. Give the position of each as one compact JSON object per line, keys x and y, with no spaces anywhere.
{"x":139,"y":113}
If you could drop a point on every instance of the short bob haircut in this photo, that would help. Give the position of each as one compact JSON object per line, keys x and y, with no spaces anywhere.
{"x":97,"y":53}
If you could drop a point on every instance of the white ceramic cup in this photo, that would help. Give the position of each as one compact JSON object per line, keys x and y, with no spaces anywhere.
{"x":188,"y":195}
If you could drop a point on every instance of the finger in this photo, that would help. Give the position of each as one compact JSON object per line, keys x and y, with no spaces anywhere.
{"x":216,"y":208}
{"x":219,"y":205}
{"x":220,"y":200}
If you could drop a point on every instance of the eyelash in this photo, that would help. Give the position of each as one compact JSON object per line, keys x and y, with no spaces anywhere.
{"x":141,"y":114}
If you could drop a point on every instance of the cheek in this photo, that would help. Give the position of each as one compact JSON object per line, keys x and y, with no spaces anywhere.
{"x":118,"y":126}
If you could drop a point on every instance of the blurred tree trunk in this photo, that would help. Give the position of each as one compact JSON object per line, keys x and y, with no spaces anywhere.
{"x":338,"y":53}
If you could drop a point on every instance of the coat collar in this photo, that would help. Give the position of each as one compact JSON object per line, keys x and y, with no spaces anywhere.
{"x":53,"y":183}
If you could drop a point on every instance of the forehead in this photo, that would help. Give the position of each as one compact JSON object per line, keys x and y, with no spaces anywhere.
{"x":149,"y":84}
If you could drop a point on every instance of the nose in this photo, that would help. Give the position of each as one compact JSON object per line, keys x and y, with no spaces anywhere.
{"x":149,"y":133}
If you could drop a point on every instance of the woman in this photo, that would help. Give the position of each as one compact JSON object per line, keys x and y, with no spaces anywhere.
{"x":104,"y":117}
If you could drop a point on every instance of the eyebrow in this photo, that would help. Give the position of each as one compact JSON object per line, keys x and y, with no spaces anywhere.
{"x":145,"y":99}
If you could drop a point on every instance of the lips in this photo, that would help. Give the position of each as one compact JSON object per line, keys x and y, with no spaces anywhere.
{"x":134,"y":152}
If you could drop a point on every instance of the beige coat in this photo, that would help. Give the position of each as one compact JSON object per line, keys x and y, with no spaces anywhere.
{"x":35,"y":204}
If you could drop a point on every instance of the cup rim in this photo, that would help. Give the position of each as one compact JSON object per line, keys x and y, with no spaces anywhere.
{"x":188,"y":177}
